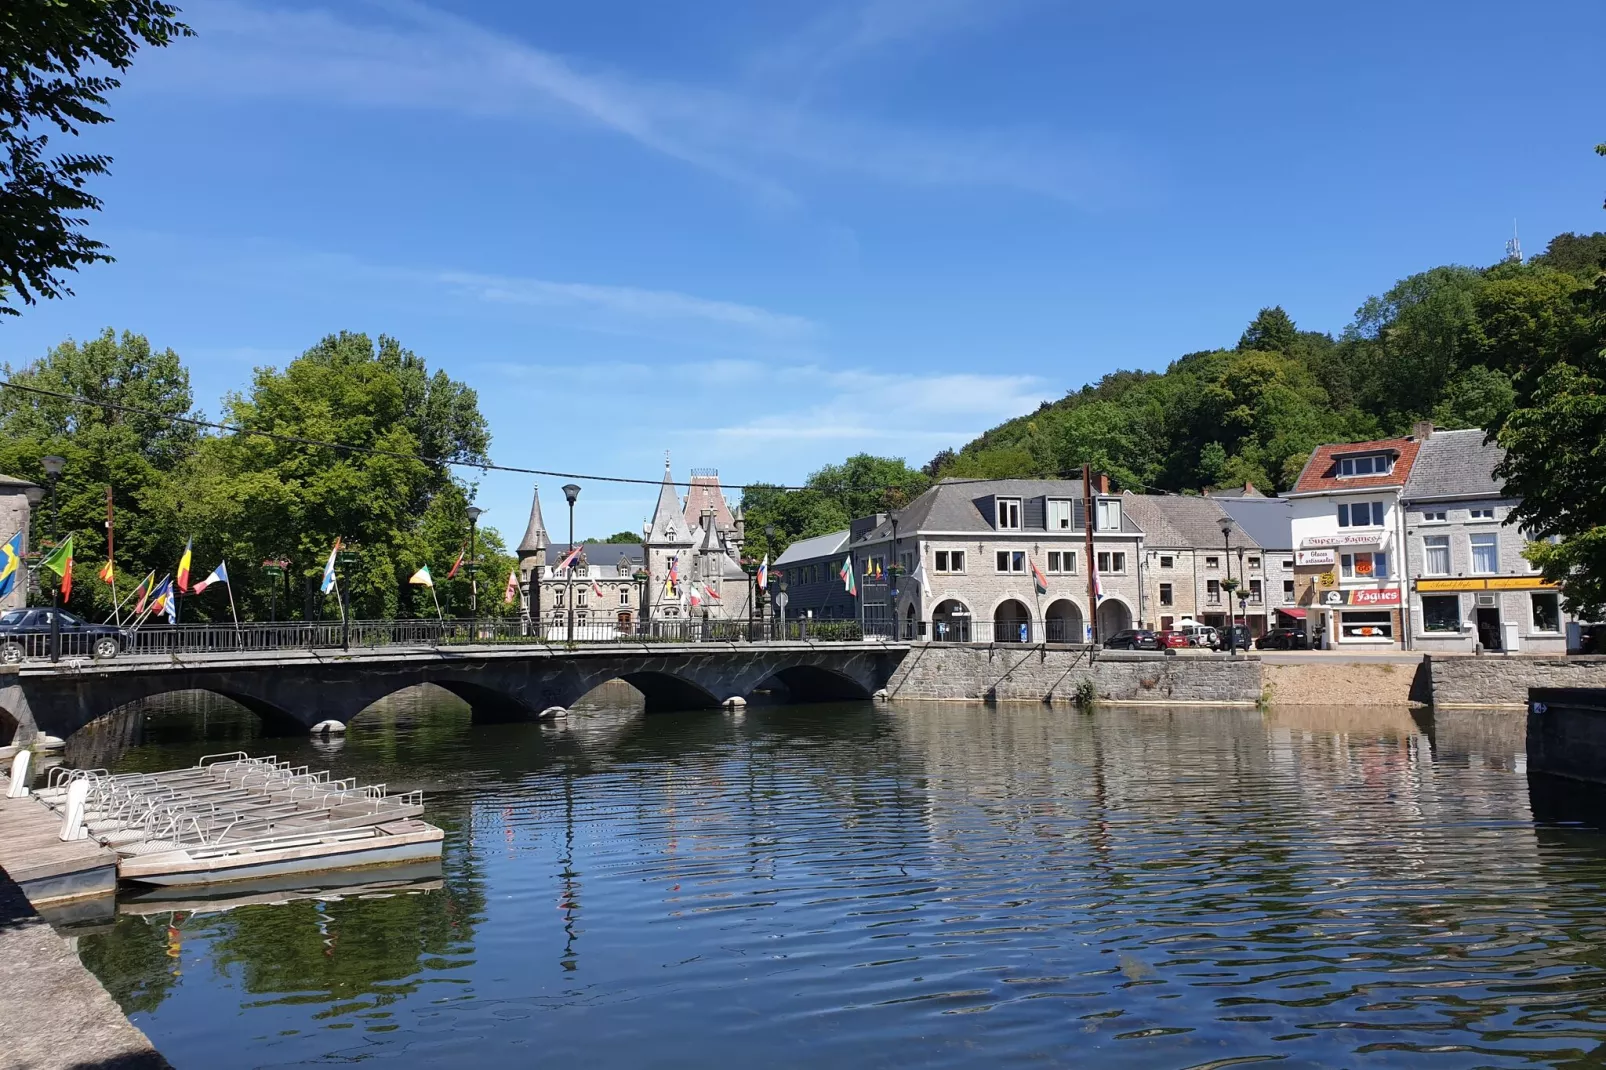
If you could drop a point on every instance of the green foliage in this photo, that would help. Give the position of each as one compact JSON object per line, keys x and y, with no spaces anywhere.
{"x":861,"y":485}
{"x":55,"y":56}
{"x":624,"y":537}
{"x":1582,"y":255}
{"x":1271,"y":332}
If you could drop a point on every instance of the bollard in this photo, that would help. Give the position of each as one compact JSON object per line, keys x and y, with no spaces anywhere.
{"x":72,"y":819}
{"x":21,"y":777}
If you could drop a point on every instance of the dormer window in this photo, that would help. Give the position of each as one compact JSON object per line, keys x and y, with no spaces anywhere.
{"x":1367,"y":464}
{"x":1108,"y":514}
{"x":1059,"y":514}
{"x":1009,"y":514}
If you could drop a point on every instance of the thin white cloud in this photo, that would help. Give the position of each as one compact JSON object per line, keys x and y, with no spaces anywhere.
{"x":408,"y":55}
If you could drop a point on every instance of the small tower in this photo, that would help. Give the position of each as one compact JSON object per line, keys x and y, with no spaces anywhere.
{"x":532,"y":556}
{"x":669,"y":540}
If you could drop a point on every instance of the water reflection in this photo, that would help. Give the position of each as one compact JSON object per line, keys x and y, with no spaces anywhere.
{"x":1148,"y":887}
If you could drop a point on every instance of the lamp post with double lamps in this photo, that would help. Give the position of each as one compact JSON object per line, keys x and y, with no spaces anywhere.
{"x":571,"y":492}
{"x":53,"y":466}
{"x":474,"y":514}
{"x":1228,"y":586}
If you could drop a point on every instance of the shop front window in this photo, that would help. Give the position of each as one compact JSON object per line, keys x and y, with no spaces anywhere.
{"x":1366,"y":625}
{"x":1441,"y":613}
{"x":1547,"y":612}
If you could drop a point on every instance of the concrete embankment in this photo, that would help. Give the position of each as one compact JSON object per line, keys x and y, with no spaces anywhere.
{"x":54,"y":1015}
{"x":1007,"y":672}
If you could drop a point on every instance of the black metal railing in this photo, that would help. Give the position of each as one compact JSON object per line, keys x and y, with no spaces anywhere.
{"x":101,"y":643}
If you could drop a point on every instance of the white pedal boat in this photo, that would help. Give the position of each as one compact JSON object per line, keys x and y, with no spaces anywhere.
{"x":169,"y":864}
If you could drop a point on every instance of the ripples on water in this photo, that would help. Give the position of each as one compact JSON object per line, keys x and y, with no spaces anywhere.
{"x":931,"y":885}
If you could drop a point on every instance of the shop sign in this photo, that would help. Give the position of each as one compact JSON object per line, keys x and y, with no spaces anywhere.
{"x":1497,"y":583}
{"x":1376,"y":538}
{"x":1315,"y":557}
{"x":1363,"y":597}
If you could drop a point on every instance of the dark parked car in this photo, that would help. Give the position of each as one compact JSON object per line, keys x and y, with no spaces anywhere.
{"x":1283,"y":639}
{"x":1235,"y":634}
{"x":25,"y":633}
{"x":1133,"y":639}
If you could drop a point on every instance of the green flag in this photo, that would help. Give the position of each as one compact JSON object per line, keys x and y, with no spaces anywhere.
{"x":60,"y":559}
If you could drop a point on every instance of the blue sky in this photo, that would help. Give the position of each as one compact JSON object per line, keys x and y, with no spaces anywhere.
{"x":764,"y":236}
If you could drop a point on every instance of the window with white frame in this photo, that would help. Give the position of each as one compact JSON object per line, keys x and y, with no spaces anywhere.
{"x":557,"y":596}
{"x":1112,"y":561}
{"x":1168,"y":561}
{"x":1486,"y":513}
{"x":1254,"y":591}
{"x":1011,"y":560}
{"x":1212,"y":562}
{"x":1435,"y":516}
{"x":1371,"y":464}
{"x":1360,"y":514}
{"x":951,"y":561}
{"x":1166,"y":595}
{"x":1546,"y":611}
{"x":624,"y":596}
{"x":1485,"y":553}
{"x":1254,"y":562}
{"x":580,"y":597}
{"x":1009,"y":514}
{"x":1109,"y":515}
{"x":1059,"y":514}
{"x":1373,"y":566}
{"x":1288,"y":592}
{"x":1213,"y":592}
{"x":1435,"y":555}
{"x":1061,"y":561}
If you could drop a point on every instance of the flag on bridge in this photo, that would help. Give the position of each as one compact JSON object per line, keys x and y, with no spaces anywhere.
{"x":182,"y":577}
{"x":764,"y":572}
{"x":848,"y":583}
{"x":142,"y":593}
{"x":672,"y":581}
{"x":163,"y":601}
{"x":511,"y":593}
{"x":692,"y":595}
{"x":106,"y":572}
{"x":327,"y":584}
{"x":422,"y":578}
{"x":10,"y":563}
{"x":451,"y":573}
{"x":60,"y":562}
{"x":713,"y":595}
{"x":1039,"y":580}
{"x":570,"y":559}
{"x":596,"y":589}
{"x":217,"y":575}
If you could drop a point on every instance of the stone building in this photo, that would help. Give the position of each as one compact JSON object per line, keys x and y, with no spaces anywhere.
{"x":1185,"y":560}
{"x":1469,"y":584}
{"x":602,"y":583}
{"x":965,"y":552}
{"x":693,"y":554}
{"x":809,"y":573}
{"x":15,"y":512}
{"x":1269,"y":524}
{"x":1348,"y":529}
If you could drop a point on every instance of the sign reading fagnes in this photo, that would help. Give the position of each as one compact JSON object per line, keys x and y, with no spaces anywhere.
{"x":1315,"y":557}
{"x":1363,"y":597}
{"x":1376,"y":538}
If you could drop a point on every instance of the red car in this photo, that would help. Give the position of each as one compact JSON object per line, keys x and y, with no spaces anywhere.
{"x":1173,"y":639}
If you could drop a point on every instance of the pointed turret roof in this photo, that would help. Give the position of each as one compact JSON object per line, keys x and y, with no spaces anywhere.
{"x":534,"y":541}
{"x":706,"y":495}
{"x":669,"y":526}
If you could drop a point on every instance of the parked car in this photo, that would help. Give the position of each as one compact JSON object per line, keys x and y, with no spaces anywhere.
{"x":1236,"y":634}
{"x":1283,"y":639}
{"x":26,"y":633}
{"x":1198,"y":634}
{"x":1133,"y":639}
{"x":1172,"y":639}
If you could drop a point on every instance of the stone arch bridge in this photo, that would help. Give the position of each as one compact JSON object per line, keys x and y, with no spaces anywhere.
{"x":295,"y":690}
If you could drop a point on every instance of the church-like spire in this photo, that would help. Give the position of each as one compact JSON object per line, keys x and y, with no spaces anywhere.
{"x":534,"y":542}
{"x":669,"y":526}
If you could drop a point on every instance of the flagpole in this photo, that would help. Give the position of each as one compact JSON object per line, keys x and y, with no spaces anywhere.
{"x":111,"y":560}
{"x":438,"y":614}
{"x":125,"y":599}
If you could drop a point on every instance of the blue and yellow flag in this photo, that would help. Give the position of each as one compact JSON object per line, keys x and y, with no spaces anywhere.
{"x":10,"y":564}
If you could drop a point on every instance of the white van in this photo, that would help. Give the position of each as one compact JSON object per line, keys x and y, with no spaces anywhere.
{"x":1202,"y":635}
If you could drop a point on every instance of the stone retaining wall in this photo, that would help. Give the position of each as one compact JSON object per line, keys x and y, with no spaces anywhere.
{"x":1494,"y":680}
{"x":1567,"y":733}
{"x":1046,"y":674}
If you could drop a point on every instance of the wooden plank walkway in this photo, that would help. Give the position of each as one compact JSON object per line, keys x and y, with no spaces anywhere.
{"x":48,"y":870}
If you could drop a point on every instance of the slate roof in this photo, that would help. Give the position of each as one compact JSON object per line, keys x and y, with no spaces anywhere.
{"x":1182,"y":521}
{"x":703,"y":494}
{"x":1269,"y":521}
{"x":535,"y":539}
{"x":811,"y":548}
{"x":1248,"y":490}
{"x":13,"y":481}
{"x":1455,"y":464}
{"x":953,"y":505}
{"x":601,"y":554}
{"x":668,"y":514}
{"x":1321,"y":471}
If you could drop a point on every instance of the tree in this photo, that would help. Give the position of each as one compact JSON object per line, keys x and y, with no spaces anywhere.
{"x":1271,"y":331}
{"x":1581,"y":255}
{"x":48,"y":51}
{"x":621,"y":538}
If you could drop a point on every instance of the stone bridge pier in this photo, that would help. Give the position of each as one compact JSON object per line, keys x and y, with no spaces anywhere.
{"x":294,"y":690}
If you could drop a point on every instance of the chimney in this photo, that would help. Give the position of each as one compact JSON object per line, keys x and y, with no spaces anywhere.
{"x":1422,"y":430}
{"x":1101,"y":483}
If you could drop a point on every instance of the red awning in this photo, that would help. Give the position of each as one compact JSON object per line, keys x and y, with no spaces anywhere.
{"x":1296,"y":614}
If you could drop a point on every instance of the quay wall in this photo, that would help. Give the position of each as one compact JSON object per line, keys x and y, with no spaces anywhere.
{"x":1008,"y":672}
{"x":1567,"y":733}
{"x":1504,"y":681}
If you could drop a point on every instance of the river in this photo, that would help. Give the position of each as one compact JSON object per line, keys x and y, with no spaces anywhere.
{"x":906,"y":885}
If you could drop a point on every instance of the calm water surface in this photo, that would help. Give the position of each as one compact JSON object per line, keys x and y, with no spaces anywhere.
{"x":915,"y":885}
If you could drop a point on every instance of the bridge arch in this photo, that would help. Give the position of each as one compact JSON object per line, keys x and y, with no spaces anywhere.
{"x":665,"y":691}
{"x":814,"y":683}
{"x":8,"y":727}
{"x":487,"y":705}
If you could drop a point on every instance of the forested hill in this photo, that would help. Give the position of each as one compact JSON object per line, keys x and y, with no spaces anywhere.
{"x":1447,"y":345}
{"x":1442,"y":345}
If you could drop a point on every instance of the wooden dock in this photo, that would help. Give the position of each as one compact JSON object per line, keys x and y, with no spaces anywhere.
{"x":48,"y":871}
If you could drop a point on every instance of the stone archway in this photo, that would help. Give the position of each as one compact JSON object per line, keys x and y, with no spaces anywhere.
{"x":1012,"y":622}
{"x":950,"y":622}
{"x":911,"y":623}
{"x":1063,"y":622}
{"x":1114,"y":616}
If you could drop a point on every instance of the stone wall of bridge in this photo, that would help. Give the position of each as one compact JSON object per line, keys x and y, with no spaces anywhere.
{"x":1006,"y":672}
{"x":1502,"y":681}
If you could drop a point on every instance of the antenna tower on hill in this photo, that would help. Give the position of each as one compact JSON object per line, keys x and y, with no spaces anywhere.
{"x":1514,"y":245}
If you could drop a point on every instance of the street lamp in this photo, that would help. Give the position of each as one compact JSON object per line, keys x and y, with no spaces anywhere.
{"x":53,"y":466}
{"x":571,"y":492}
{"x":474,"y":513}
{"x":1226,"y":557}
{"x":892,"y":581}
